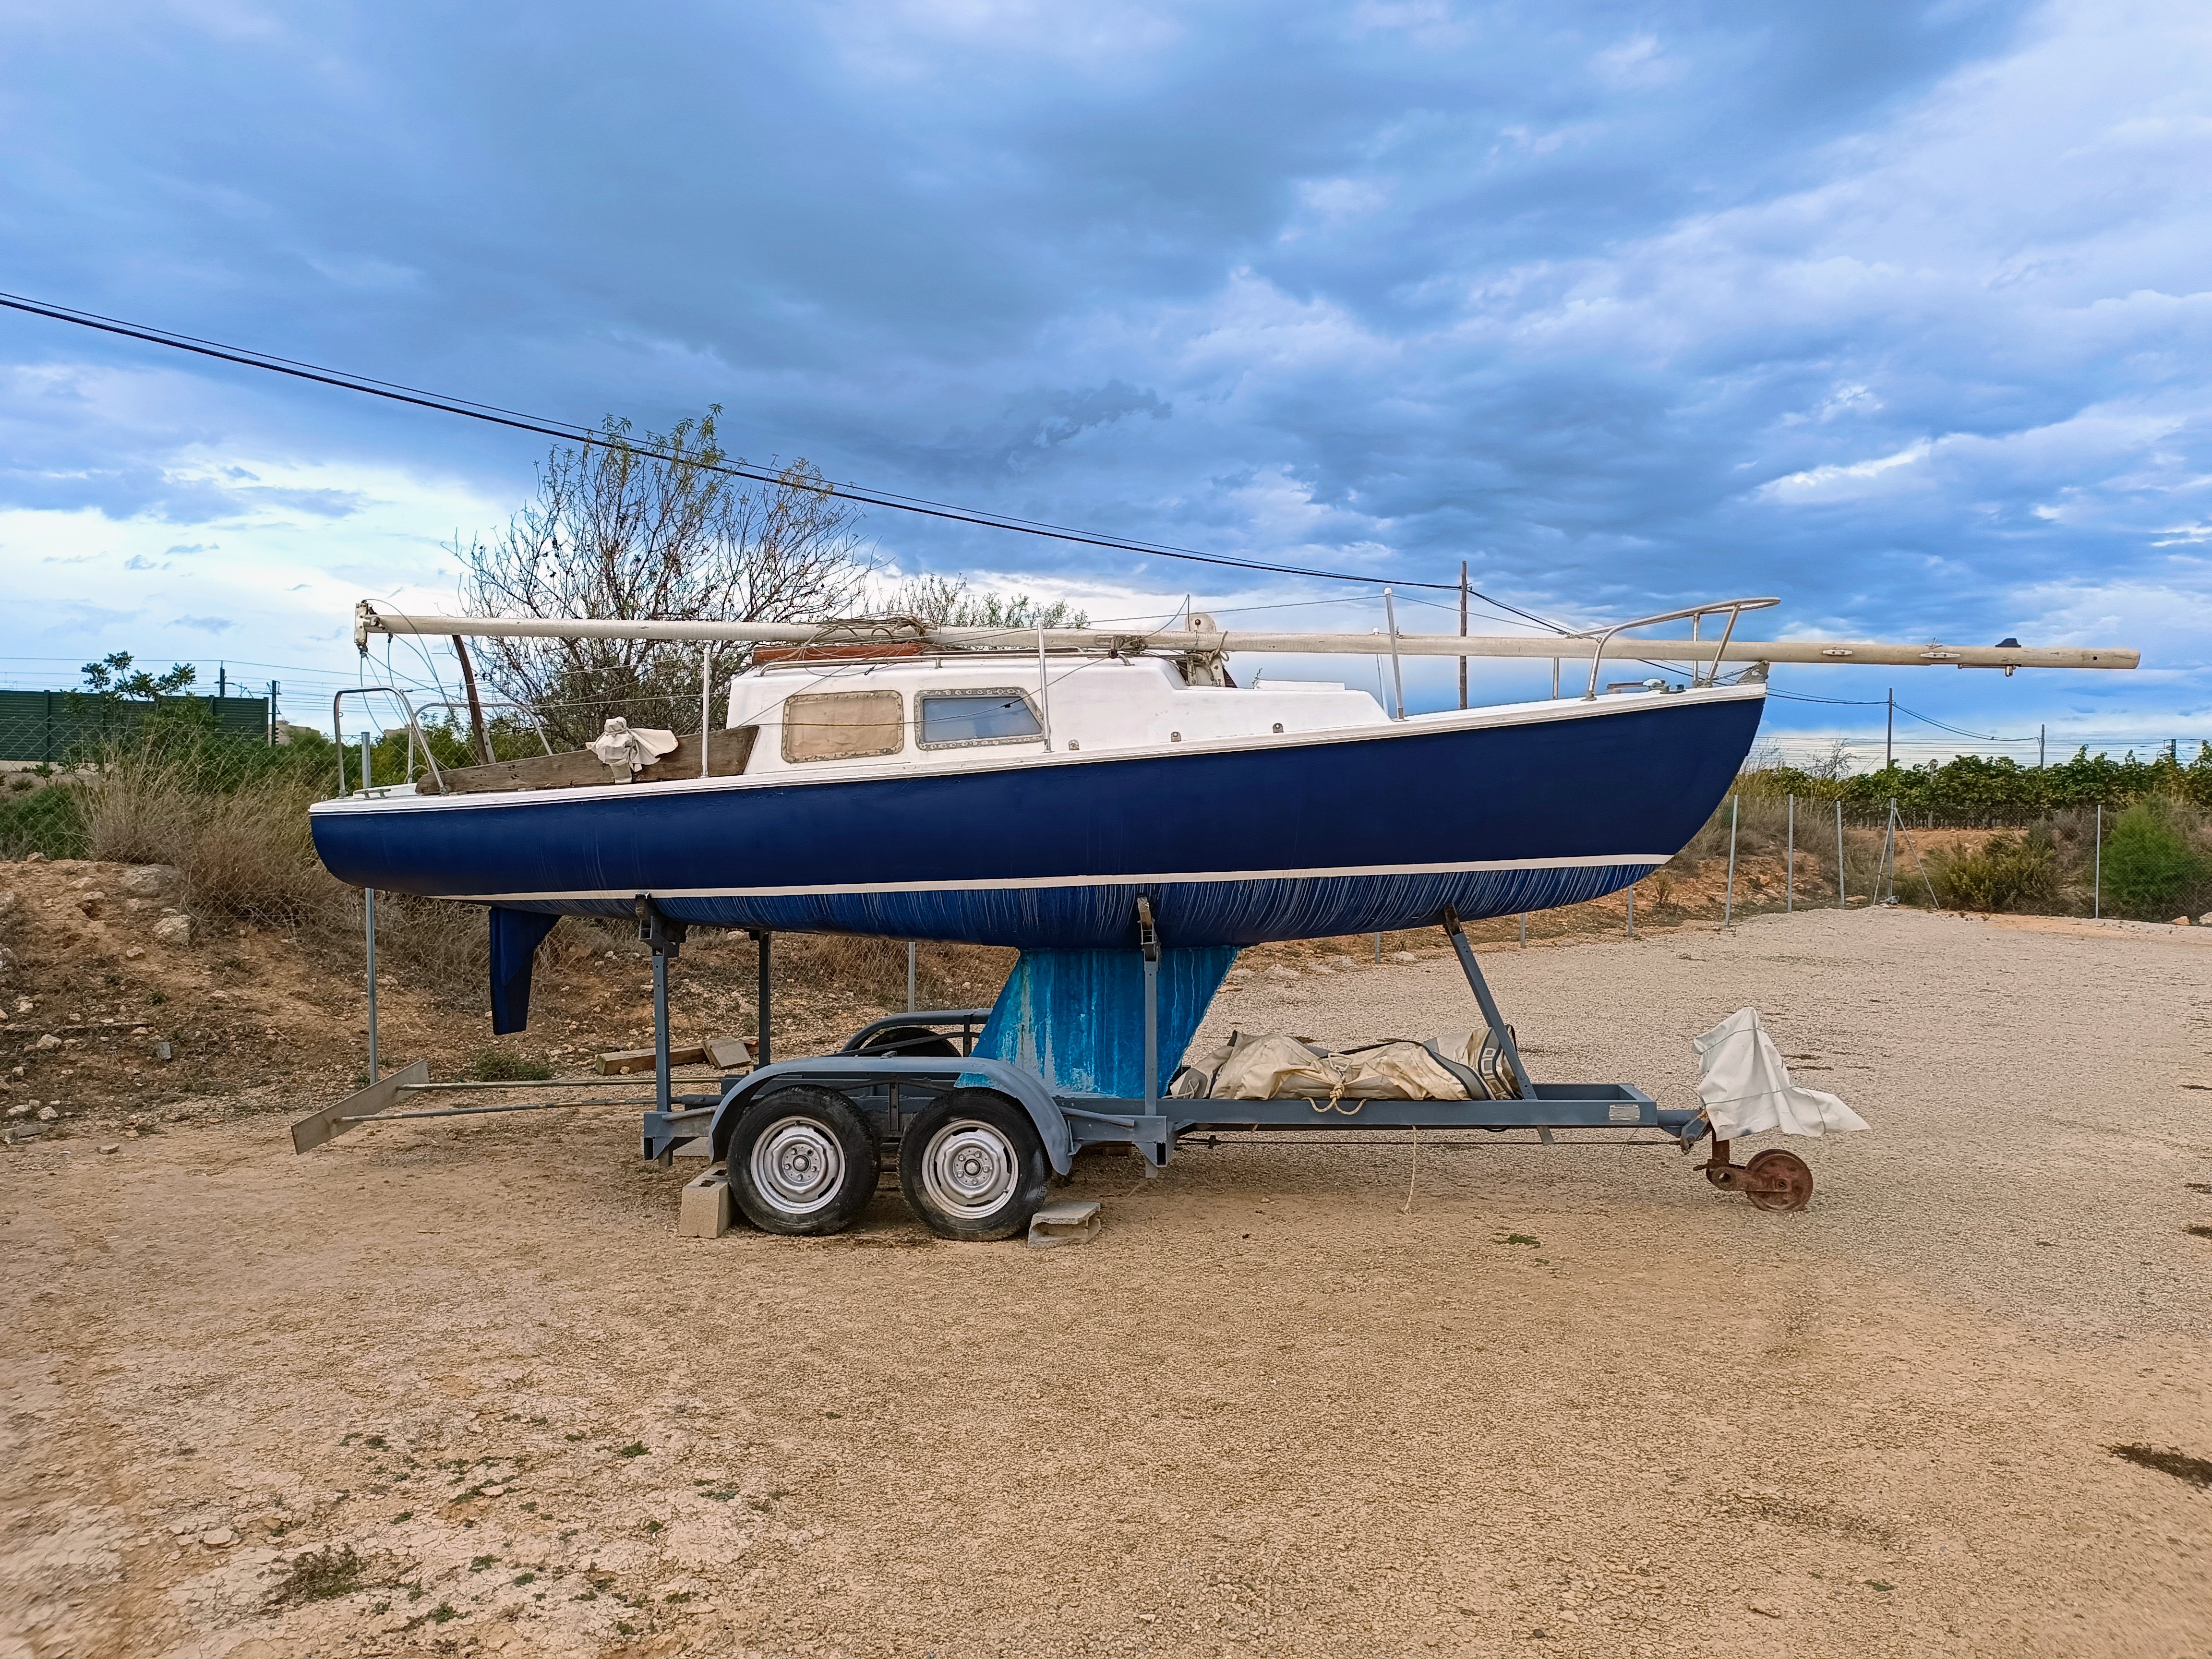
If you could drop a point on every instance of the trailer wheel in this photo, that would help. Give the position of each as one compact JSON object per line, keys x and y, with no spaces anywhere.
{"x":802,"y":1161}
{"x":972,"y":1166}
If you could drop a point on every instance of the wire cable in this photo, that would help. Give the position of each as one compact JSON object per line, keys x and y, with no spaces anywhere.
{"x":570,"y":432}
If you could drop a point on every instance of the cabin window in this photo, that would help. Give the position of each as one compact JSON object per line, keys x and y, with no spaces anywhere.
{"x":843,"y":725}
{"x":945,"y":719}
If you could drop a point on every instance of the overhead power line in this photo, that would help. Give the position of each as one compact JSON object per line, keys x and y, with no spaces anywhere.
{"x":571,"y":432}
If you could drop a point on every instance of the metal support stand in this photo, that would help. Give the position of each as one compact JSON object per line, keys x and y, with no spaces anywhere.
{"x":1728,"y":910}
{"x":1842,"y":898}
{"x":1148,"y":940}
{"x":763,"y":938}
{"x":666,"y":939}
{"x":1790,"y":879}
{"x":1498,"y":1029}
{"x":368,"y":909}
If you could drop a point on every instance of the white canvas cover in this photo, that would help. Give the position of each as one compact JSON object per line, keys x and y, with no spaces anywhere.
{"x":1746,"y":1089}
{"x":1278,"y":1067}
{"x":631,"y":748}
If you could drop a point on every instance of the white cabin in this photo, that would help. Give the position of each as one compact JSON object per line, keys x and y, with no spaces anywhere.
{"x":942,"y":710}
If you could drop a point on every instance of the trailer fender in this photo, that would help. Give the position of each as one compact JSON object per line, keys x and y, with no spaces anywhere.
{"x":840,"y":1072}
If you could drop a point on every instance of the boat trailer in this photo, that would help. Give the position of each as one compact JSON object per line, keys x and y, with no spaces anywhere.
{"x":976,"y":1140}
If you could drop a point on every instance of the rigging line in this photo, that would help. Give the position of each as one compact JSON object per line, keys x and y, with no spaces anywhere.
{"x":550,"y":426}
{"x":1978,"y":737}
{"x":1840,"y":702}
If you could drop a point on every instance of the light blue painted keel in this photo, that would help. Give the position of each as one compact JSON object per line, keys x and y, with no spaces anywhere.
{"x":1076,"y":1018}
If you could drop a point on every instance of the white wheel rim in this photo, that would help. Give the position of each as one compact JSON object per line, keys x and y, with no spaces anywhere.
{"x":968,"y":1169}
{"x":797,"y":1165}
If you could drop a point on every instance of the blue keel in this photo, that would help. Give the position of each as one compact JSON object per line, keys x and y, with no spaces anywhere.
{"x":1076,"y":1018}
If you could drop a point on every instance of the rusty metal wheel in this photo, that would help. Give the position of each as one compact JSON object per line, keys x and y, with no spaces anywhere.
{"x":1776,"y":1180}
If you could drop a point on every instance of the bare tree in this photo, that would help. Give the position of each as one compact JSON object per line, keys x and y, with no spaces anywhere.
{"x":951,"y":602}
{"x":625,"y":529}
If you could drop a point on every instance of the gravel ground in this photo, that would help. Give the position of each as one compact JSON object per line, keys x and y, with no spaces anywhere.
{"x":1570,"y":1401}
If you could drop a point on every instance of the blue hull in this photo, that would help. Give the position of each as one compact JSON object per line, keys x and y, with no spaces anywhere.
{"x":1379,"y":829}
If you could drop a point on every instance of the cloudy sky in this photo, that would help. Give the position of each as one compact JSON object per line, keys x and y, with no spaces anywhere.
{"x":1900,"y":311}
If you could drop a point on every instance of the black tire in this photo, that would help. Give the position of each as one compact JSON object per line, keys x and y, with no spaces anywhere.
{"x":911,"y":1042}
{"x":972,"y":1166}
{"x":802,"y":1162}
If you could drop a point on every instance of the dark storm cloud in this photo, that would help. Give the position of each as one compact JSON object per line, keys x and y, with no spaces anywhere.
{"x":1896,"y":309}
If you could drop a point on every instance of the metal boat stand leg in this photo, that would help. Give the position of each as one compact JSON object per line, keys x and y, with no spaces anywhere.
{"x":763,"y":938}
{"x":1148,"y":939}
{"x":666,"y":939}
{"x":1488,"y":1004}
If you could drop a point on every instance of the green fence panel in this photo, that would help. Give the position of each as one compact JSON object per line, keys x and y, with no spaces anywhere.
{"x":48,"y":726}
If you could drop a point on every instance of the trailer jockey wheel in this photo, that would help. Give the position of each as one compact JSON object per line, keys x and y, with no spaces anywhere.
{"x":1777,"y":1179}
{"x":972,"y":1166}
{"x":802,"y":1161}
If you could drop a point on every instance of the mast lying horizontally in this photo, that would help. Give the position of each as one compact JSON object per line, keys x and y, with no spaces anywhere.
{"x":1210,"y":641}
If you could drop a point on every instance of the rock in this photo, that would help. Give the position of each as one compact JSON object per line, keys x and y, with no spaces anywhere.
{"x":1403,"y":956}
{"x":21,"y":1108}
{"x":111,"y":1146}
{"x":218,"y":1538}
{"x":36,"y":858}
{"x":174,"y":931}
{"x":8,"y":962}
{"x":47,"y":1114}
{"x":48,"y":1040}
{"x":11,"y":907}
{"x":2181,"y":921}
{"x":150,"y":880}
{"x":163,"y":1051}
{"x":134,"y":953}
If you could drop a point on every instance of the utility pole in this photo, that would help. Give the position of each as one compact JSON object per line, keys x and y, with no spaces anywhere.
{"x":2041,"y":732}
{"x":1889,"y":736}
{"x":1463,"y":631}
{"x":273,"y":690}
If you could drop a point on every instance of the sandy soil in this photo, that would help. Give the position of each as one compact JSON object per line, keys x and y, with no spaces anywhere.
{"x":1569,"y":1402}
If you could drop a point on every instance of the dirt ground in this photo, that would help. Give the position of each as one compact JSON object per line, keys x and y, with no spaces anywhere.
{"x":456,"y":1388}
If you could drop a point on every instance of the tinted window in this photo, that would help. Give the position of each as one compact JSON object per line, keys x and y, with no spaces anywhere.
{"x":976,"y":717}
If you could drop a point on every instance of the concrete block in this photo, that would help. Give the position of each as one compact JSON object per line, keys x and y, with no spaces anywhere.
{"x":1070,"y":1221}
{"x":705,"y":1213}
{"x":730,"y":1053}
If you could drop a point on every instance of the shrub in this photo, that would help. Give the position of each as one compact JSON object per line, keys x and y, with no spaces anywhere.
{"x":43,"y":819}
{"x":2009,"y":873}
{"x":498,"y":1066}
{"x":2149,"y":863}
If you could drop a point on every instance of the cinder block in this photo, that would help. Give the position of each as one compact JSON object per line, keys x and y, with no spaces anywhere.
{"x":705,"y":1213}
{"x":1070,"y":1221}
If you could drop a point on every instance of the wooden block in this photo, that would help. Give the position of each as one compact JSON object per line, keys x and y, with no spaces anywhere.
{"x":641,"y":1059}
